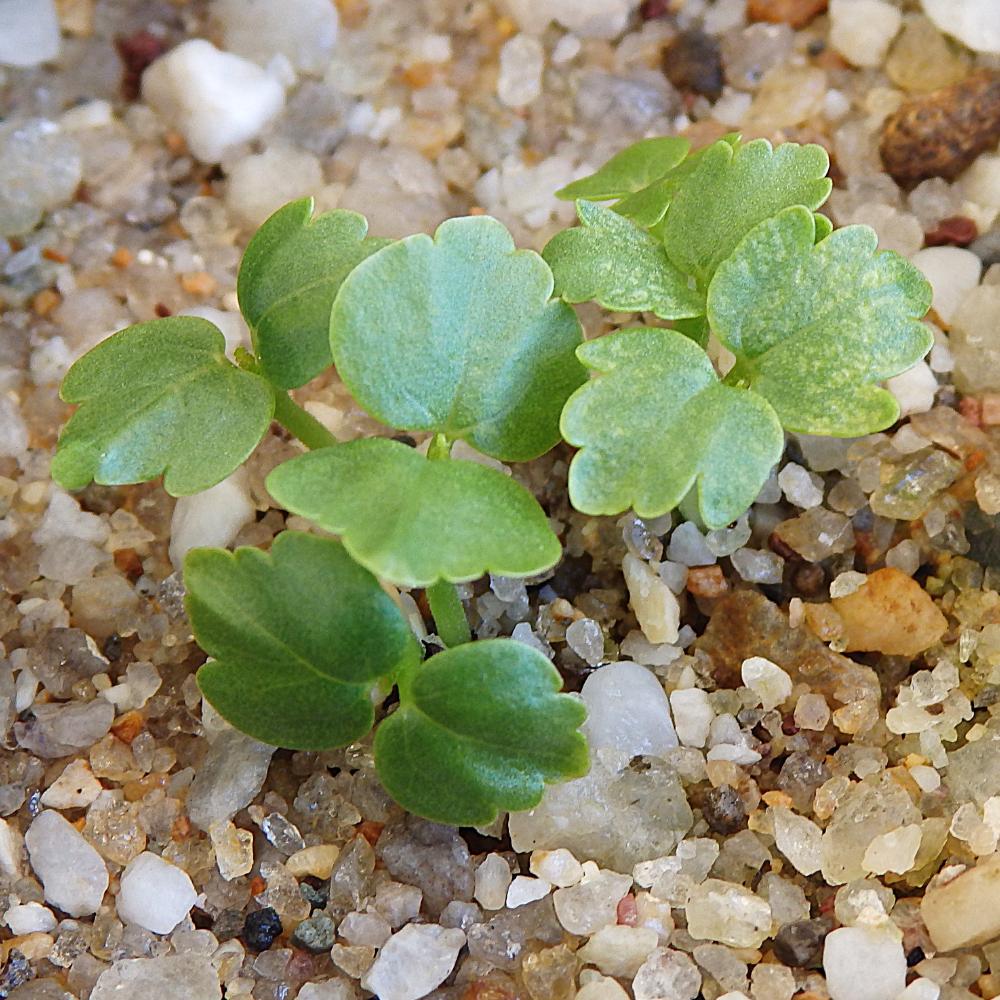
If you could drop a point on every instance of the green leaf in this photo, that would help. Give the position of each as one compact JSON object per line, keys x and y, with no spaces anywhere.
{"x":629,"y":171}
{"x":656,"y":421}
{"x":815,"y":325}
{"x":302,"y":639}
{"x":414,"y":520}
{"x":611,"y":260}
{"x":480,"y":729}
{"x":156,"y":398}
{"x":457,"y":335}
{"x":290,"y":274}
{"x":823,"y":226}
{"x":731,"y":191}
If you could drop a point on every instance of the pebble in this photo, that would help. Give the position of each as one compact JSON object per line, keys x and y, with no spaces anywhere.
{"x":952,"y":273}
{"x":558,"y":867}
{"x":493,"y":878}
{"x":975,"y":23}
{"x":213,"y":98}
{"x":592,"y":903}
{"x":369,"y":929}
{"x":939,"y":134}
{"x":758,"y":565}
{"x":154,"y":894}
{"x":862,"y":30}
{"x":654,"y":603}
{"x":692,"y":61}
{"x":864,"y":963}
{"x":817,"y":534}
{"x":693,"y":715}
{"x":522,"y":61}
{"x":260,"y":184}
{"x":767,"y":680}
{"x":798,"y":944}
{"x":213,"y":517}
{"x":962,"y":913}
{"x":261,"y":928}
{"x":894,"y":851}
{"x":316,"y":934}
{"x":525,"y":890}
{"x":317,"y":861}
{"x":72,"y":873}
{"x":28,"y":192}
{"x":628,"y":710}
{"x":890,"y":613}
{"x":414,"y":961}
{"x":724,"y":811}
{"x":30,"y":33}
{"x":923,"y":59}
{"x":11,"y":850}
{"x":799,"y":839}
{"x":975,"y":340}
{"x":797,"y":13}
{"x":728,"y":913}
{"x":915,"y":389}
{"x":586,"y":18}
{"x":29,"y":918}
{"x":667,"y":975}
{"x":233,"y":849}
{"x":328,"y":989}
{"x":801,"y":488}
{"x":75,"y":788}
{"x":619,"y":950}
{"x":172,"y":977}
{"x":303,"y":31}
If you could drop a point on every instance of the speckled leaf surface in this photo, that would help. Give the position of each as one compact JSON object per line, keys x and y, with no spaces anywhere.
{"x":816,"y":325}
{"x":459,"y":335}
{"x":290,"y":275}
{"x":301,"y":636}
{"x":160,"y":398}
{"x":611,"y":260}
{"x":480,"y":729}
{"x":656,"y":421}
{"x":413,"y":520}
{"x":629,"y":171}
{"x":731,"y":190}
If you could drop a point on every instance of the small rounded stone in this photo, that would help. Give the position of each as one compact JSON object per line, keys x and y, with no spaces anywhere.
{"x":724,"y":810}
{"x":261,"y":928}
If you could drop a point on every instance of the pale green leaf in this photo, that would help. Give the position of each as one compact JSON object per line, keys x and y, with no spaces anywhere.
{"x":479,"y":730}
{"x":414,"y":520}
{"x":656,"y":421}
{"x":303,"y":637}
{"x":289,"y":277}
{"x":611,"y":260}
{"x":631,"y":170}
{"x":816,"y":325}
{"x":458,"y":335}
{"x":733,"y":189}
{"x":160,"y":398}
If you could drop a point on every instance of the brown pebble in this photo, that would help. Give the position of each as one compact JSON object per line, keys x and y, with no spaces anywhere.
{"x":198,"y":283}
{"x":797,"y":13}
{"x":45,"y":301}
{"x":122,"y":258}
{"x":128,"y":727}
{"x":692,"y":62}
{"x":939,"y":134}
{"x":137,"y":51}
{"x":956,"y":231}
{"x":706,"y":581}
{"x":129,"y":563}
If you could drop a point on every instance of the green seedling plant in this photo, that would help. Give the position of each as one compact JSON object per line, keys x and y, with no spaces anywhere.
{"x":461,"y":337}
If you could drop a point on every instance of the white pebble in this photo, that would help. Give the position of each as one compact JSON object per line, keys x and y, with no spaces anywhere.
{"x":492,"y":881}
{"x":619,"y":950}
{"x":558,"y":867}
{"x":921,"y":989}
{"x":801,"y":487}
{"x":154,"y":894}
{"x":414,"y":961}
{"x":260,"y":184}
{"x":688,"y":546}
{"x":894,"y":851}
{"x":767,"y":680}
{"x":864,"y":963}
{"x":30,"y":33}
{"x":862,"y":30}
{"x":29,"y":918}
{"x":975,"y":23}
{"x":75,"y":788}
{"x":952,"y":272}
{"x":214,"y":98}
{"x":213,"y":517}
{"x":526,"y":890}
{"x":627,"y":711}
{"x":926,"y":777}
{"x":586,"y":18}
{"x":799,"y":839}
{"x":72,"y":873}
{"x":693,"y":715}
{"x":522,"y":60}
{"x":11,"y":850}
{"x":654,"y":603}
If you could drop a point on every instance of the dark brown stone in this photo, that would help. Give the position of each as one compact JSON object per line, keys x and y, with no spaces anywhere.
{"x":797,"y":13}
{"x":692,"y":62}
{"x":955,"y":231}
{"x":939,"y":134}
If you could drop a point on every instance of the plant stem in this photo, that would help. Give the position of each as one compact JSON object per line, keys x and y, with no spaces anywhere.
{"x":449,"y":615}
{"x":439,"y":448}
{"x":299,"y":423}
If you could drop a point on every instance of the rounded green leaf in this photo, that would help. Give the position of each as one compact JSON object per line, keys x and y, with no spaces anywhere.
{"x":480,"y":729}
{"x":290,"y":274}
{"x":629,"y":171}
{"x":656,"y":421}
{"x":815,"y":325}
{"x":457,"y":335}
{"x":302,"y":638}
{"x":609,"y":259}
{"x":413,"y":520}
{"x":156,"y":398}
{"x":731,"y":190}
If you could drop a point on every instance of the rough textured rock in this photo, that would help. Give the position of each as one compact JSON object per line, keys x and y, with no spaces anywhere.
{"x":963,"y":912}
{"x":173,"y":977}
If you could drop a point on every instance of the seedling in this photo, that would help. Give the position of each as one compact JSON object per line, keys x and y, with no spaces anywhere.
{"x":459,"y":338}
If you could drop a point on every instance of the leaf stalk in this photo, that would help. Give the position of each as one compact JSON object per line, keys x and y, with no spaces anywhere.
{"x":449,"y":615}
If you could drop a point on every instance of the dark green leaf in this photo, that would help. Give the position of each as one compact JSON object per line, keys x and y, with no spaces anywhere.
{"x":480,"y":729}
{"x":302,"y":639}
{"x":156,"y":398}
{"x":733,"y":189}
{"x":631,"y":170}
{"x":611,"y":260}
{"x":656,"y":421}
{"x":289,"y":277}
{"x":413,"y":520}
{"x":457,"y":335}
{"x":815,"y":325}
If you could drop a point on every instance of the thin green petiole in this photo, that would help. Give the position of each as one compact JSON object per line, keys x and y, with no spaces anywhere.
{"x":449,"y":615}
